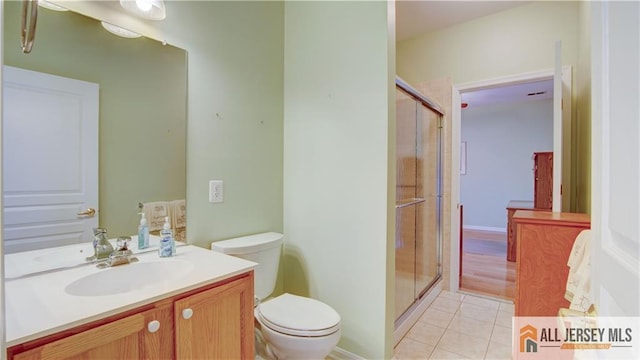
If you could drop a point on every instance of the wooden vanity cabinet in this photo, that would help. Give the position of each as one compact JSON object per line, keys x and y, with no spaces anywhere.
{"x":220,"y":326}
{"x":216,"y":323}
{"x":544,"y":243}
{"x":126,"y":338}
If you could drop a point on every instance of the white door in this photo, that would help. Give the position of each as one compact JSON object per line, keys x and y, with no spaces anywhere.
{"x":557,"y":129}
{"x":49,"y":160}
{"x":615,"y":205}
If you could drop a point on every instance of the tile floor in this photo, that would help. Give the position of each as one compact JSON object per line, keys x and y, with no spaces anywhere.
{"x":460,"y":326}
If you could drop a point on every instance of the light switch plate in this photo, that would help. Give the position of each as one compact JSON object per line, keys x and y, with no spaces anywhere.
{"x":216,"y":193}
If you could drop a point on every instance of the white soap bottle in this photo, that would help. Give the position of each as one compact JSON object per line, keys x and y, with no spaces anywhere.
{"x":167,"y":244}
{"x":143,"y":233}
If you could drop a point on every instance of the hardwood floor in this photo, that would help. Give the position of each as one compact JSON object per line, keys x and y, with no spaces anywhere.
{"x":487,"y":273}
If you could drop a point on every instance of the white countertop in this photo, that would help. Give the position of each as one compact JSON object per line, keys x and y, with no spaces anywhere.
{"x":38,"y":305}
{"x":23,"y":263}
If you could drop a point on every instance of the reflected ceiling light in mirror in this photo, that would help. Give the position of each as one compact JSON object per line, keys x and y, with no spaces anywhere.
{"x":51,"y":6}
{"x":117,"y":30}
{"x":146,"y":9}
{"x":143,"y":5}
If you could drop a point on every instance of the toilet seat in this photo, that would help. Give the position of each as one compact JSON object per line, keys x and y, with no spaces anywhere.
{"x":298,"y":316}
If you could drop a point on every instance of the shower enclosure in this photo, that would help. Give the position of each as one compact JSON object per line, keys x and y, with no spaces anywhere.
{"x":418,"y":196}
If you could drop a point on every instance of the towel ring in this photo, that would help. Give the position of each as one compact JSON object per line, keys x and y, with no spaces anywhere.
{"x":27,"y":36}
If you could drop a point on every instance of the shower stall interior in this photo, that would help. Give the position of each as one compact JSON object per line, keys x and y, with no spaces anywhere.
{"x":418,"y":196}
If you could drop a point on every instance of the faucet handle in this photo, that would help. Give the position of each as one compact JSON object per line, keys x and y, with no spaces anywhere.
{"x":122,"y":243}
{"x":119,"y":257}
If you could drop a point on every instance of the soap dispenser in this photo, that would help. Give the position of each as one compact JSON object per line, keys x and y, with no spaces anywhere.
{"x":143,"y":233}
{"x":167,"y":244}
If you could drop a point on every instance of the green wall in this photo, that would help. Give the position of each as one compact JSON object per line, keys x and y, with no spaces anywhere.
{"x":338,"y":84}
{"x":583,"y":131}
{"x":142,"y":130}
{"x":235,"y":109}
{"x":515,"y":41}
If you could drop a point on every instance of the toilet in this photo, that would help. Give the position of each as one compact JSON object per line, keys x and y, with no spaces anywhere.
{"x":293,"y":327}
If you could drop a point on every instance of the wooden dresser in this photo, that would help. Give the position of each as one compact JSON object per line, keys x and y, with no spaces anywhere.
{"x":543,"y":180}
{"x":544,"y":242}
{"x":512,"y":207}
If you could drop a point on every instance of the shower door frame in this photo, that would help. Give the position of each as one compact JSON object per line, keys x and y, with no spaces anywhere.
{"x":423,"y":101}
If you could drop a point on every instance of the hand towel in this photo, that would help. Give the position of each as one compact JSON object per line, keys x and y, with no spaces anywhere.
{"x":579,"y":279}
{"x":178,"y":219}
{"x":155,"y":212}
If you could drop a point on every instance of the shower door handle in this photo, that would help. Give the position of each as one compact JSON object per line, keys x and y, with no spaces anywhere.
{"x":413,"y":201}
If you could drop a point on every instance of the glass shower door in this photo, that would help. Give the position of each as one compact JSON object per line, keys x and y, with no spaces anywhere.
{"x":427,"y":267}
{"x":418,"y":189}
{"x":406,"y":168}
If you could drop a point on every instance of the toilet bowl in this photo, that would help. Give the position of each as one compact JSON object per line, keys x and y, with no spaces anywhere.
{"x":292,"y":326}
{"x":296,"y":327}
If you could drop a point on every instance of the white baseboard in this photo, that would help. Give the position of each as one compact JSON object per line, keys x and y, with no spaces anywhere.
{"x":342,"y":354}
{"x":485,"y":228}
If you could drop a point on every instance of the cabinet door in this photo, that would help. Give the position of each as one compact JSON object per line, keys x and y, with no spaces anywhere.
{"x":127,"y":338}
{"x":216,"y":323}
{"x":156,"y":339}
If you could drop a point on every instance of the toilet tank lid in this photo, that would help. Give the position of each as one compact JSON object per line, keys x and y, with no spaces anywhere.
{"x":248,"y":244}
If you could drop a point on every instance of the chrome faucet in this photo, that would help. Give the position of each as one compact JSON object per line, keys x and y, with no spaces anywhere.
{"x":102,"y":248}
{"x":122,"y":255}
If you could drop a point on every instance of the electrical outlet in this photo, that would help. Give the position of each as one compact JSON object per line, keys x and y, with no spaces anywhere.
{"x":216,"y":193}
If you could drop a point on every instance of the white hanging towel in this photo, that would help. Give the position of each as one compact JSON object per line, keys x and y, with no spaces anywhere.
{"x":178,"y":209}
{"x":155,"y":212}
{"x":579,"y":279}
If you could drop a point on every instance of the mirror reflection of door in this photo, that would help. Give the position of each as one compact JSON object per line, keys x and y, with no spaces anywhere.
{"x":50,"y":160}
{"x":142,"y":110}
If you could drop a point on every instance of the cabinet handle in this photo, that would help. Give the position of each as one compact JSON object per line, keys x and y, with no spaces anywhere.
{"x":153,"y":326}
{"x":187,"y":314}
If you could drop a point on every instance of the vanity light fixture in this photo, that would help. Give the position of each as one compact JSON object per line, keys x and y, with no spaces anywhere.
{"x":146,"y":9}
{"x":117,"y":30}
{"x":51,"y":6}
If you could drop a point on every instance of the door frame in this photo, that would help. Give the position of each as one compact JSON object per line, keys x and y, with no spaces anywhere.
{"x":567,"y":125}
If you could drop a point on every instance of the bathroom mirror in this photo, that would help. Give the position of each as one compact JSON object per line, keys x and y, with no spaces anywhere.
{"x":142,"y":107}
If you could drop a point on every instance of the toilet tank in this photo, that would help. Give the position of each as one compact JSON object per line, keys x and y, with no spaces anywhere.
{"x":263,"y":249}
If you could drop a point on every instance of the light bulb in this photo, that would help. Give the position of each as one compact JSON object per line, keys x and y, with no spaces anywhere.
{"x":146,"y":9}
{"x":144,"y":5}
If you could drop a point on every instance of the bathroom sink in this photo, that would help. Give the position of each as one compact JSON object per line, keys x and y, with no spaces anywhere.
{"x":64,"y":256}
{"x":129,"y":278}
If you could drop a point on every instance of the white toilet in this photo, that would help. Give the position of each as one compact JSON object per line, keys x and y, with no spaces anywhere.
{"x":293,"y":327}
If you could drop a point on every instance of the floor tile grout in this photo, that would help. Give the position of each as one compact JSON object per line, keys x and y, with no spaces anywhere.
{"x":460,"y":299}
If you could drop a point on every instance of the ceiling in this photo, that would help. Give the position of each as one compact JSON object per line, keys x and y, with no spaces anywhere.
{"x":415,"y":17}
